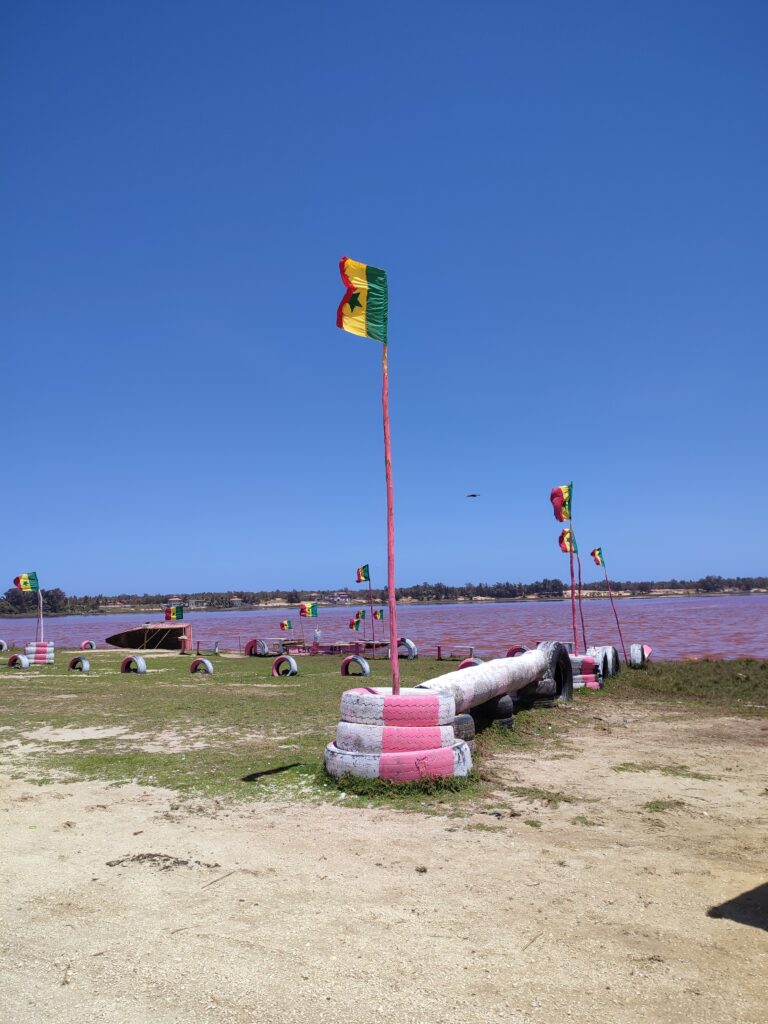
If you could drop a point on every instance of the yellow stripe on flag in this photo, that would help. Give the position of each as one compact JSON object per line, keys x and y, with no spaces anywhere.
{"x":353,"y":311}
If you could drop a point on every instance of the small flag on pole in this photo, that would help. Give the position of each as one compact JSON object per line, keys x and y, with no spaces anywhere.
{"x":360,"y":615}
{"x":174,"y":612}
{"x":364,"y":308}
{"x":597,"y":554}
{"x":308,"y":610}
{"x":363,"y":574}
{"x":285,"y":625}
{"x":561,"y":501}
{"x":26,"y":581}
{"x":568,"y":541}
{"x":379,"y":615}
{"x":354,"y":623}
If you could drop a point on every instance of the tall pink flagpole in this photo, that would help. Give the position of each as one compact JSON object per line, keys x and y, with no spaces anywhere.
{"x":615,"y":615}
{"x":370,"y":599}
{"x":581,"y":610}
{"x":395,"y":665}
{"x":573,"y":595}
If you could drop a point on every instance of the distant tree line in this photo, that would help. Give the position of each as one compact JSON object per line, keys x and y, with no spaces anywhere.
{"x":55,"y":601}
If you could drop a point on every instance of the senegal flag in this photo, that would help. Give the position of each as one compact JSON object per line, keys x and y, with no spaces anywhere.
{"x":597,"y":554}
{"x":308,"y":610}
{"x":379,"y":614}
{"x":360,"y":615}
{"x":363,"y":310}
{"x":285,"y":625}
{"x":174,"y":613}
{"x":568,"y":542}
{"x":354,"y":623}
{"x":561,"y":501}
{"x":26,"y":581}
{"x":363,"y":573}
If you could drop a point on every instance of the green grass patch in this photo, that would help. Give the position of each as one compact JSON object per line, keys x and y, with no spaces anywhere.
{"x":548,"y":796}
{"x":582,"y":819}
{"x":532,"y":822}
{"x":662,"y":806}
{"x":739,"y":686}
{"x":681,"y":771}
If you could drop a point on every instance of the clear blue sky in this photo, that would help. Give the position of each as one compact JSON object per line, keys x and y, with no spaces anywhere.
{"x":569,"y":198}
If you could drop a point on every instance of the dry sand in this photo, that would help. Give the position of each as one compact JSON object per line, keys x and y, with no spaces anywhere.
{"x":298,"y":913}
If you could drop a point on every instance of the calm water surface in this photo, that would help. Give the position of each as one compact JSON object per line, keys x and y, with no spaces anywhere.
{"x":690,"y":627}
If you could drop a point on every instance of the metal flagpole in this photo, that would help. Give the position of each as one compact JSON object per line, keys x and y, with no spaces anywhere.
{"x":394,"y":664}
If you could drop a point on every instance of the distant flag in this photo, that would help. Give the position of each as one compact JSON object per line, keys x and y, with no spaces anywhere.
{"x":26,"y":581}
{"x":379,"y":615}
{"x":363,"y":574}
{"x":354,"y":623}
{"x":174,"y":612}
{"x":364,"y":308}
{"x":308,"y":610}
{"x":285,"y":625}
{"x":360,"y":614}
{"x":597,"y":554}
{"x":568,"y":541}
{"x":561,"y":501}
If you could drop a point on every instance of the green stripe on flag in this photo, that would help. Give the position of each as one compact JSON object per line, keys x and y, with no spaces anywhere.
{"x":377,"y":312}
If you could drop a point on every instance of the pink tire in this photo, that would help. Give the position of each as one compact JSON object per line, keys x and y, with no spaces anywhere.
{"x":411,"y":707}
{"x":201,"y":665}
{"x":256,"y":648}
{"x":285,"y":665}
{"x":134,"y":663}
{"x":79,"y":664}
{"x":360,"y":662}
{"x":516,"y":649}
{"x":87,"y":645}
{"x":389,"y":739}
{"x":402,"y":766}
{"x":470,"y":662}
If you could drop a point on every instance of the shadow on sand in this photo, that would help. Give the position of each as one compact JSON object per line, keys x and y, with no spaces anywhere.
{"x":750,"y":908}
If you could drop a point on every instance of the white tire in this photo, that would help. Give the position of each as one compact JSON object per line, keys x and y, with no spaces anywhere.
{"x":639,"y":655}
{"x":411,"y":707}
{"x":134,"y":663}
{"x":18,"y":661}
{"x":411,"y":650}
{"x":402,"y":766}
{"x":79,"y":664}
{"x":3,"y":646}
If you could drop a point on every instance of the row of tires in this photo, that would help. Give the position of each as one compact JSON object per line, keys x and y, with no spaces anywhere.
{"x":260,"y":649}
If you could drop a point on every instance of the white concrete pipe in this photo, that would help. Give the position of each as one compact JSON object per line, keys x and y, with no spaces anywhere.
{"x":476,"y":685}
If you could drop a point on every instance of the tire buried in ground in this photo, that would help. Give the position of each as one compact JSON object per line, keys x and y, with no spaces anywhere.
{"x":18,"y":661}
{"x":134,"y":663}
{"x":470,"y":662}
{"x":256,"y":649}
{"x":79,"y":664}
{"x":402,"y":766}
{"x":285,"y":665}
{"x":411,"y":650}
{"x":201,"y":665}
{"x":87,"y":645}
{"x":355,"y":660}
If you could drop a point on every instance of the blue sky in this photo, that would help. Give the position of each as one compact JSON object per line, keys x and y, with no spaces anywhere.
{"x":570,"y":203}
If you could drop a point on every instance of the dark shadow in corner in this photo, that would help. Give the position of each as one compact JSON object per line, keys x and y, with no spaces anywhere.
{"x":750,"y":908}
{"x":255,"y":776}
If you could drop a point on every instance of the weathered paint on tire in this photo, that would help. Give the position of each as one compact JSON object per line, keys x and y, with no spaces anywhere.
{"x":469,"y":663}
{"x":355,"y":659}
{"x":18,"y":661}
{"x":411,"y":707}
{"x":476,"y":685}
{"x":285,"y":659}
{"x":557,"y":682}
{"x":464,"y":727}
{"x":412,"y":650}
{"x":87,"y":645}
{"x":134,"y":663}
{"x":403,"y":766}
{"x":516,"y":649}
{"x":388,"y":739}
{"x":201,"y":665}
{"x":256,"y":648}
{"x":79,"y":664}
{"x":637,"y":656}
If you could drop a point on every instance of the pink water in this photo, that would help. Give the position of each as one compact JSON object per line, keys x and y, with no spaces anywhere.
{"x":692,"y":627}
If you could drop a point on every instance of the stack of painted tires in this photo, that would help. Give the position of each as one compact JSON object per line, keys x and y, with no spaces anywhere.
{"x":587,"y":671}
{"x":607,"y":659}
{"x":39,"y":653}
{"x":401,"y":738}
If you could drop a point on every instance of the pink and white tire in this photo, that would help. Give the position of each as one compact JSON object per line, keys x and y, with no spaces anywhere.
{"x":3,"y":646}
{"x":256,"y":648}
{"x":18,"y":661}
{"x":403,"y":766}
{"x":87,"y":645}
{"x":370,"y":705}
{"x":287,"y":662}
{"x":135,"y":663}
{"x":470,"y":662}
{"x":411,"y":650}
{"x":515,"y":650}
{"x":390,"y":739}
{"x":355,"y":659}
{"x":639,"y":655}
{"x":201,"y":665}
{"x":79,"y":664}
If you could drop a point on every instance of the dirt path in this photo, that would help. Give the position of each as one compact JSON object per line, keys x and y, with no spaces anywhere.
{"x":321,"y":913}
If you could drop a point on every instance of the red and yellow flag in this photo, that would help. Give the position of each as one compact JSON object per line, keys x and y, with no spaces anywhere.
{"x":561,"y":501}
{"x":174,"y":612}
{"x":26,"y":581}
{"x":285,"y":625}
{"x":363,"y":574}
{"x":364,"y":308}
{"x":597,"y":554}
{"x":354,"y":623}
{"x":379,"y":614}
{"x":568,"y":542}
{"x":308,"y":610}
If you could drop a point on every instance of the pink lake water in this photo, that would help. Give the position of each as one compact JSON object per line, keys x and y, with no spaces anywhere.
{"x":676,"y":628}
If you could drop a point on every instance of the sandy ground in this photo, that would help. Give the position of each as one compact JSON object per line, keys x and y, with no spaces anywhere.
{"x":297,"y":913}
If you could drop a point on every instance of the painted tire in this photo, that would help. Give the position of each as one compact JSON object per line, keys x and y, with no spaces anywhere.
{"x":201,"y":665}
{"x":464,"y":727}
{"x":411,"y":649}
{"x":3,"y":646}
{"x":79,"y":664}
{"x":469,"y":662}
{"x":391,"y":739}
{"x":600,"y":656}
{"x":135,"y":663}
{"x":637,"y":656}
{"x":516,"y":649}
{"x":411,"y":707}
{"x":291,"y":668}
{"x":403,"y":766}
{"x":18,"y":661}
{"x":256,"y":648}
{"x":590,"y":681}
{"x":87,"y":645}
{"x":355,"y":659}
{"x":614,"y":661}
{"x":559,"y":673}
